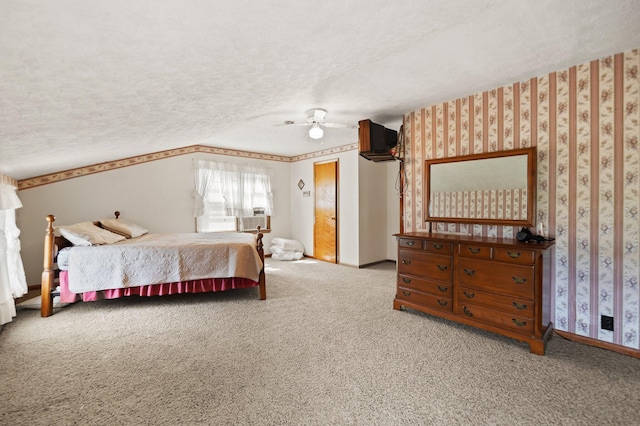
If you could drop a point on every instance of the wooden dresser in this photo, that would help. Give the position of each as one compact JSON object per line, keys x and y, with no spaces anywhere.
{"x":499,"y":285}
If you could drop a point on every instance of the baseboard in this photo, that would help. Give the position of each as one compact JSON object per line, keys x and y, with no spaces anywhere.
{"x":376,"y":263}
{"x":33,"y":291}
{"x":599,"y":343}
{"x":358,"y":266}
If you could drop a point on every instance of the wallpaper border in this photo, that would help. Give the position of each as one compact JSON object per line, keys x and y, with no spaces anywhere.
{"x":140,"y":159}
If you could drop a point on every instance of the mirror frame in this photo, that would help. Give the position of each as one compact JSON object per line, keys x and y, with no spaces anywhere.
{"x":531,"y":187}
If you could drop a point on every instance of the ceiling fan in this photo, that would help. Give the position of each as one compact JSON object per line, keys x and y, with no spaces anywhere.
{"x":316,"y":119}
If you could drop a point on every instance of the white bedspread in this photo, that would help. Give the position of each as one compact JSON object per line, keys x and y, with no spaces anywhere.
{"x":163,"y":258}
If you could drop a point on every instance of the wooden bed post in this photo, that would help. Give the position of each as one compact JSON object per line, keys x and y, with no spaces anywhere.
{"x":260,"y":248}
{"x":46,"y":304}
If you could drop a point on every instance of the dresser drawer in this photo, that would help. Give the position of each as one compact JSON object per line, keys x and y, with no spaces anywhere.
{"x":426,"y":265}
{"x":438,"y":247}
{"x":477,"y":252}
{"x":490,"y":316}
{"x":426,"y":286}
{"x":410,"y":243}
{"x":516,"y":255}
{"x":507,"y":304}
{"x":424,"y":299}
{"x":514,"y":280}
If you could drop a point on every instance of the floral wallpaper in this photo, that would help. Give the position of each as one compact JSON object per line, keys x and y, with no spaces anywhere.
{"x":585,"y":124}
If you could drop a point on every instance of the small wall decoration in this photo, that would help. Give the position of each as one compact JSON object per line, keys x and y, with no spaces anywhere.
{"x":301,"y":184}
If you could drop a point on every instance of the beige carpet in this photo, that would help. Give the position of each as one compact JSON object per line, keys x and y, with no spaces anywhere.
{"x":325,"y":348}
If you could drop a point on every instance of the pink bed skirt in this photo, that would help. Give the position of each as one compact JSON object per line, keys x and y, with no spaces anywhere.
{"x":195,"y":286}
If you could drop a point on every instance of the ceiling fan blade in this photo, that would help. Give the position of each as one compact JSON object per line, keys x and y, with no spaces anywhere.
{"x":292,"y":123}
{"x":337,"y":125}
{"x":315,"y":117}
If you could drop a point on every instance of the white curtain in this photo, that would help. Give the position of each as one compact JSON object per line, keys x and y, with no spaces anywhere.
{"x":243,"y":187}
{"x":204,"y":179}
{"x":256,"y":184}
{"x":230,"y":184}
{"x":12,"y":279}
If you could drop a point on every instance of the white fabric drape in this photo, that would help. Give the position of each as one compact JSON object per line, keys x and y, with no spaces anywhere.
{"x":230,"y":183}
{"x":204,"y":178}
{"x":12,"y":278}
{"x":8,"y":198}
{"x":256,"y":184}
{"x":243,"y":187}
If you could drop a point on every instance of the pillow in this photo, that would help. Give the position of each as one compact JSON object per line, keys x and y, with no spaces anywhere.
{"x":124,"y":228}
{"x":88,"y":234}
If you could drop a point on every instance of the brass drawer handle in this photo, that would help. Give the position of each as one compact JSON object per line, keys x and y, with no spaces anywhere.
{"x":437,"y":246}
{"x":406,"y":262}
{"x":519,"y":306}
{"x":469,"y":295}
{"x":406,"y":280}
{"x":410,"y":243}
{"x":518,"y":322}
{"x":518,"y":280}
{"x":467,"y":312}
{"x":443,"y":267}
{"x":442,"y":303}
{"x":474,"y":250}
{"x":443,"y":289}
{"x":406,"y":293}
{"x":514,"y":254}
{"x":469,"y":271}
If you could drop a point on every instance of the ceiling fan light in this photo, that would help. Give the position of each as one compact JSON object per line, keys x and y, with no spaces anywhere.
{"x":315,"y":132}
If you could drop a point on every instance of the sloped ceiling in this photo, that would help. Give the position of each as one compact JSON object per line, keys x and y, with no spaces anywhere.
{"x":83,"y":82}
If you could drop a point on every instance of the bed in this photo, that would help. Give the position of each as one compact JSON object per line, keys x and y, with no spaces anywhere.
{"x":120,"y":264}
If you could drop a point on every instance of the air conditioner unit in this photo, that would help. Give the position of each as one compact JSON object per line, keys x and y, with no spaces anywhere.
{"x":251,"y":223}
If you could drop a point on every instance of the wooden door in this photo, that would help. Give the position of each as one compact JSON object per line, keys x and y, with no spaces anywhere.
{"x":325,"y":226}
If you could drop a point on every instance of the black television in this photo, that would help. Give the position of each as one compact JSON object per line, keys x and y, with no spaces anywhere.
{"x":376,"y":141}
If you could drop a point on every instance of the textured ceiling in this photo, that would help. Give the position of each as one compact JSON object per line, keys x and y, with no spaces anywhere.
{"x":83,"y":82}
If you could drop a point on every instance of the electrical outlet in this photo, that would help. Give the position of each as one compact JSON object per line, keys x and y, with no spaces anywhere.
{"x":606,"y":322}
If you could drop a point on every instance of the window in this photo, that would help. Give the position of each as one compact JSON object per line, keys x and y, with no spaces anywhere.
{"x":231,"y":197}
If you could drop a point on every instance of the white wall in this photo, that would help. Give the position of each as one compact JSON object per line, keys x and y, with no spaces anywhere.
{"x":372,"y":199}
{"x":379,"y":192}
{"x":364,"y":237}
{"x":302,"y":208}
{"x":156,"y":195}
{"x":393,"y":208}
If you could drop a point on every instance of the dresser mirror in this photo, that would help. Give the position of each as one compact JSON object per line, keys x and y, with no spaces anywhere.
{"x":496,"y":188}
